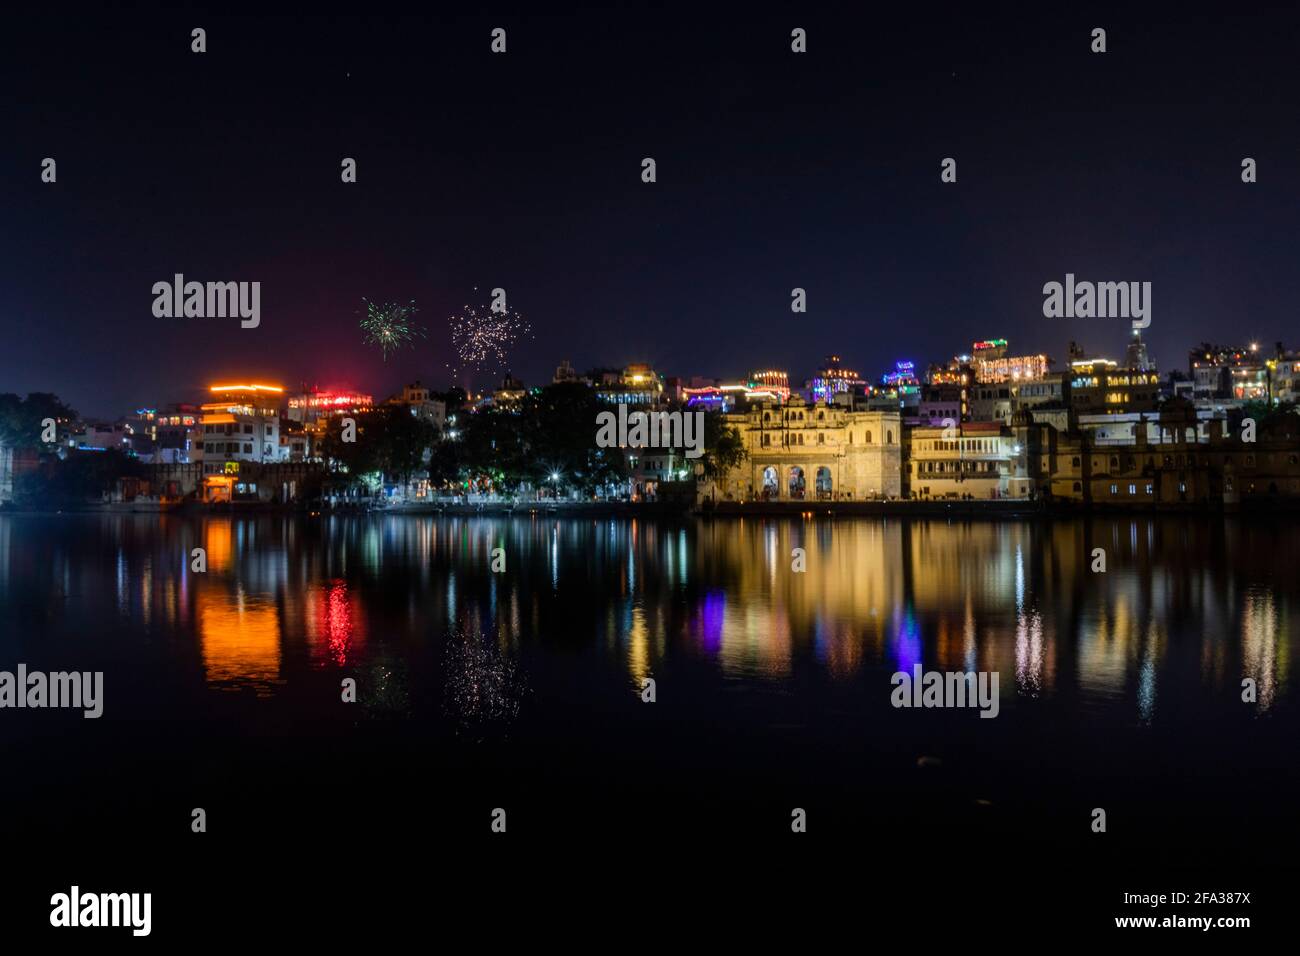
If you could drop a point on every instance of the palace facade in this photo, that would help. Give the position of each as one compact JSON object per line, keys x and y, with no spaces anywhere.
{"x":802,"y":451}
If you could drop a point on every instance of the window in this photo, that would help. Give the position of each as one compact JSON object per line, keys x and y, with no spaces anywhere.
{"x":1150,"y":489}
{"x":1114,"y":489}
{"x":248,"y":449}
{"x":1132,"y":489}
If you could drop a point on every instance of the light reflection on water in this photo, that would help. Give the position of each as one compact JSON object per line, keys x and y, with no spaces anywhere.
{"x":1184,"y":610}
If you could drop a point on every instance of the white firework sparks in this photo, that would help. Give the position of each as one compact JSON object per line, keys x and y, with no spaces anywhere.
{"x":482,"y":339}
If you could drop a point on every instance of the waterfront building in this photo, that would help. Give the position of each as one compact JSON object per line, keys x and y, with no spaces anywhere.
{"x":811,"y":451}
{"x":241,"y":424}
{"x":176,"y":431}
{"x":981,"y":460}
{"x":1176,"y":458}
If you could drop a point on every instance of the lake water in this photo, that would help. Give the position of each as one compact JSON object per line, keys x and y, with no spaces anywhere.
{"x":521,"y":689}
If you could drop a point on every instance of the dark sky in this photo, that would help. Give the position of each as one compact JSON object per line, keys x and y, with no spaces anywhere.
{"x":775,"y":170}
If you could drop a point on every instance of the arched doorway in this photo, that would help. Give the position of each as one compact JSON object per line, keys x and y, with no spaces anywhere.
{"x":771,"y":484}
{"x":796,"y":483}
{"x":824,"y":485}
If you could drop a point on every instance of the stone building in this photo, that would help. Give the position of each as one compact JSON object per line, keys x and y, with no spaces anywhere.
{"x":1180,"y":465}
{"x":801,"y":451}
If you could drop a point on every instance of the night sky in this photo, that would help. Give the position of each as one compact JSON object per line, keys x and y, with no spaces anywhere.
{"x":522,"y":170}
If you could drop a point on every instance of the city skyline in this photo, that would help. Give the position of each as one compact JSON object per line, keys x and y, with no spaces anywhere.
{"x":801,"y":382}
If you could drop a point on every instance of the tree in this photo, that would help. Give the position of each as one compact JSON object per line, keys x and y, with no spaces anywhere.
{"x":353,"y":458}
{"x":724,"y":449}
{"x":20,"y":419}
{"x":80,"y":477}
{"x":389,"y":441}
{"x":560,"y":424}
{"x":406,"y":439}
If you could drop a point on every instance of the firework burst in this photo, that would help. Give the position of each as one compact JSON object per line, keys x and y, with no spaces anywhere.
{"x":482,"y":339}
{"x":389,"y":326}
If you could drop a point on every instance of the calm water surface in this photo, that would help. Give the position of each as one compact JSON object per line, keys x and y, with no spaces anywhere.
{"x":1119,"y":689}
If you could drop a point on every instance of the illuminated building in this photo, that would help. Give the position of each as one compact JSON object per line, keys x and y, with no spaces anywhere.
{"x":770,"y":381}
{"x":832,"y":380}
{"x":768,"y":386}
{"x":1191,"y":461}
{"x":983,"y":460}
{"x":989,"y":349}
{"x":510,"y":394}
{"x":993,"y":365}
{"x":240,"y":424}
{"x":942,"y":384}
{"x":1238,"y":374}
{"x":1284,"y":375}
{"x":1101,"y":386}
{"x":902,"y":379}
{"x":637,"y":384}
{"x":316,"y":405}
{"x":999,"y":401}
{"x":802,"y":451}
{"x":177,"y":432}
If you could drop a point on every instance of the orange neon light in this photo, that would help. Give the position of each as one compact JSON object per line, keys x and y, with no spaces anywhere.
{"x":247,"y":388}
